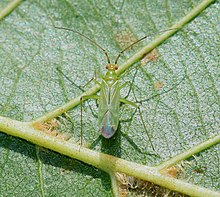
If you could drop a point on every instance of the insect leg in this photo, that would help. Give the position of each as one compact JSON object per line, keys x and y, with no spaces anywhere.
{"x":138,"y":108}
{"x":130,"y":83}
{"x":92,"y":79}
{"x":61,"y":72}
{"x":82,"y":99}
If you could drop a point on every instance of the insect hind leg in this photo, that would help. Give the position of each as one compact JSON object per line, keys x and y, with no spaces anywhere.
{"x":139,"y":110}
{"x":82,"y":99}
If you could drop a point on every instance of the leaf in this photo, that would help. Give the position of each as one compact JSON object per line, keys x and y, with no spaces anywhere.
{"x":182,"y":115}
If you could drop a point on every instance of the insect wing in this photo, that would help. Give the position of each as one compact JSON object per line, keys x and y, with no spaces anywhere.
{"x":109,"y":102}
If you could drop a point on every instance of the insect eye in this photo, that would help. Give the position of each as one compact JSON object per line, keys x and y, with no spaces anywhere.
{"x":116,"y":67}
{"x":107,"y":66}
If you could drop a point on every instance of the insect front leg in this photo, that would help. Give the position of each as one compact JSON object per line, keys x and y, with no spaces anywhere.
{"x":62,"y":73}
{"x":130,"y":83}
{"x":94,"y":78}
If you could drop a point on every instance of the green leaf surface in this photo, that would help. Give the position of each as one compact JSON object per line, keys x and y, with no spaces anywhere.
{"x":178,"y":115}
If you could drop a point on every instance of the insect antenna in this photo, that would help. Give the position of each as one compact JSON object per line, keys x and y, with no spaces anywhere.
{"x":121,"y":52}
{"x":92,"y":41}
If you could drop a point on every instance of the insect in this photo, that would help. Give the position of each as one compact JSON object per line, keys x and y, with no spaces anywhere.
{"x":109,"y":98}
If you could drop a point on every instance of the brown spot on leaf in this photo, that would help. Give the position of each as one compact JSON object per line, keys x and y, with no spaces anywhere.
{"x":125,"y":38}
{"x":50,"y":129}
{"x":172,"y":171}
{"x":129,"y":185}
{"x":158,"y":85}
{"x":152,"y":56}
